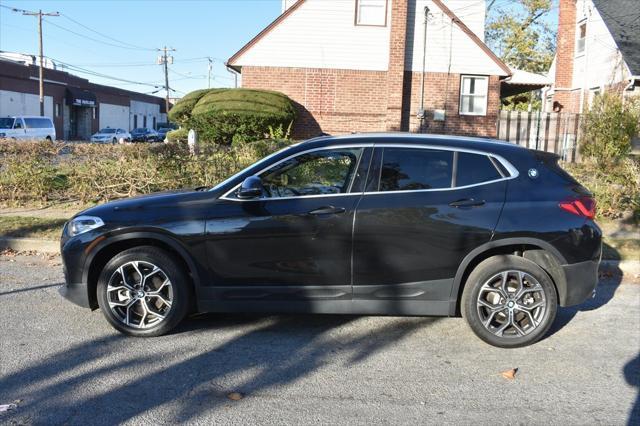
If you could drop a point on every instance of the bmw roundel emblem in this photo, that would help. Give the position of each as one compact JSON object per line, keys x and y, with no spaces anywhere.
{"x":533,"y":173}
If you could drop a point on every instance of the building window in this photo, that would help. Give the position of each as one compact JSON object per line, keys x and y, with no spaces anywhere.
{"x":154,"y":123}
{"x":582,"y":34}
{"x":144,"y":121}
{"x":135,"y":121}
{"x":371,"y":12}
{"x":473,"y":94}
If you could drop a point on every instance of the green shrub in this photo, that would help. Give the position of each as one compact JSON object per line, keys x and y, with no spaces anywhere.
{"x":33,"y":173}
{"x":608,"y":128}
{"x":178,"y":135}
{"x":616,"y":188}
{"x":226,"y":116}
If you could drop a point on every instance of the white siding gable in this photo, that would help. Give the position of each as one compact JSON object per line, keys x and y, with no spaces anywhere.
{"x":322,"y":34}
{"x":601,"y":64}
{"x":448,"y":47}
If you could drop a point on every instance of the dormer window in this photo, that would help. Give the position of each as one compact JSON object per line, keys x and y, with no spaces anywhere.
{"x":582,"y":35}
{"x":371,"y":12}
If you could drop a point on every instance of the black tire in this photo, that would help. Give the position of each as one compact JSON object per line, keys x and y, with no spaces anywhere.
{"x":486,"y":271}
{"x":182,"y":291}
{"x":114,"y":141}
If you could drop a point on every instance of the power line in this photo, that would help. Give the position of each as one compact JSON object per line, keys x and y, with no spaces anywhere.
{"x":89,"y":38}
{"x":133,"y":46}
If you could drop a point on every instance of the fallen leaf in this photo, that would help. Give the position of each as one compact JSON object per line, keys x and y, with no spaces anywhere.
{"x":235,"y":396}
{"x":509,"y":374}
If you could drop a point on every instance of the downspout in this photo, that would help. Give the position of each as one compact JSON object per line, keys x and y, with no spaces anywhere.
{"x":421,"y":112}
{"x":235,"y":74}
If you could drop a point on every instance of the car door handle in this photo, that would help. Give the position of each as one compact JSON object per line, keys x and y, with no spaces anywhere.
{"x":467,"y":202}
{"x":327,"y":210}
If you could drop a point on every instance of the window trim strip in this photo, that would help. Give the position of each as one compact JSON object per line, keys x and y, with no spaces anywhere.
{"x":513,"y":172}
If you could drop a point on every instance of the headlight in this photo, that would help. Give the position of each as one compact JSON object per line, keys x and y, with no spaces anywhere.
{"x":82,"y":224}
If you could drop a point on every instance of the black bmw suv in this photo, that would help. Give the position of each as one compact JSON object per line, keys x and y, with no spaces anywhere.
{"x":371,"y":224}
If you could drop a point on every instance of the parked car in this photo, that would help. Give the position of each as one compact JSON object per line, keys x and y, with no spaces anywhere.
{"x":372,"y":224}
{"x":143,"y":134}
{"x":111,"y":135}
{"x":162,"y":133}
{"x":27,"y":127}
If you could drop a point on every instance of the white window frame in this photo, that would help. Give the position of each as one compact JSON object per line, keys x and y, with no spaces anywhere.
{"x":476,"y":95}
{"x":581,"y":42}
{"x":368,"y":3}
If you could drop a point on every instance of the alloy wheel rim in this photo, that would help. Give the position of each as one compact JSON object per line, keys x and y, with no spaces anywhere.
{"x":140,"y":294}
{"x":511,"y":304}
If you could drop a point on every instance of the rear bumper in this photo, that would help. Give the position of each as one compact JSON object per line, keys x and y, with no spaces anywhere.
{"x":581,"y":281}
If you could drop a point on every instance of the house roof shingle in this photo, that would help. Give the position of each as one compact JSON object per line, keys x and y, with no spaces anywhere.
{"x":623,"y":21}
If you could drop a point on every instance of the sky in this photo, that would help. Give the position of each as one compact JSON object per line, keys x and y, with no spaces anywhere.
{"x":131,"y":30}
{"x":119,"y":38}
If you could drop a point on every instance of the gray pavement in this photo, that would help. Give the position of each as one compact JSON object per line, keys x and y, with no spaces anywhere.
{"x":62,"y":364}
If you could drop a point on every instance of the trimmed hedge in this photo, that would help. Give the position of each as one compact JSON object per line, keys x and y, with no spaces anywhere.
{"x":226,"y":116}
{"x":37,"y":173}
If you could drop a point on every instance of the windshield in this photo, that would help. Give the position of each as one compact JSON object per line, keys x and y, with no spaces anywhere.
{"x":107,"y":131}
{"x":139,"y":130}
{"x":6,"y":123}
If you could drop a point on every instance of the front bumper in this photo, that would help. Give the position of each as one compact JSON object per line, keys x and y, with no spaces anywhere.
{"x":581,"y":281}
{"x":76,"y":293}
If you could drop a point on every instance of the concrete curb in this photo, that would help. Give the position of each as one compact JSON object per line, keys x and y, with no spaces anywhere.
{"x":30,"y":244}
{"x":628,"y":267}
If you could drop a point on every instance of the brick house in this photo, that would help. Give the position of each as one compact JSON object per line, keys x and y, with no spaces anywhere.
{"x":357,"y":65}
{"x":598,"y":50}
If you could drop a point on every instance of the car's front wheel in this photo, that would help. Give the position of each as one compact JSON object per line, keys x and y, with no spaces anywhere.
{"x":144,"y":292}
{"x":509,"y":301}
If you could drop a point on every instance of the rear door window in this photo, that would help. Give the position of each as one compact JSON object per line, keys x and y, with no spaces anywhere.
{"x":408,"y":169}
{"x":474,"y":169}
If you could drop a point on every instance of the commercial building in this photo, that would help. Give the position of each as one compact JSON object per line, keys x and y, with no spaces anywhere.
{"x":78,"y":107}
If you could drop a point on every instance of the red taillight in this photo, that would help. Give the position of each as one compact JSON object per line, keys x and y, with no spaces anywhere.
{"x":583,"y":206}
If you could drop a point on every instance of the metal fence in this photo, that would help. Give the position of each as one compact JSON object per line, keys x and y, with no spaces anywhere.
{"x":546,"y":131}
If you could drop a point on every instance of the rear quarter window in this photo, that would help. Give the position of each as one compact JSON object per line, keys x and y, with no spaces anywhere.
{"x":474,"y":169}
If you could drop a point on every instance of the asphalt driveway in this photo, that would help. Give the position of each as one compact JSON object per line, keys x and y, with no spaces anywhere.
{"x":63,"y":364}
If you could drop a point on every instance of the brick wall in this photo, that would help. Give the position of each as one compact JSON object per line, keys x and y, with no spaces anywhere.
{"x":442,"y":91}
{"x":327,"y":100}
{"x":566,"y":40}
{"x":396,"y":70}
{"x":344,"y":101}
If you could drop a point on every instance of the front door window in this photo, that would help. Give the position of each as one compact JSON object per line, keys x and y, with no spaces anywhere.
{"x":327,"y":172}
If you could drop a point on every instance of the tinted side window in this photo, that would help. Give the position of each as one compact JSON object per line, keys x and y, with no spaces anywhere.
{"x":411,"y":169}
{"x":37,"y":123}
{"x":475,"y":168}
{"x":314,"y":173}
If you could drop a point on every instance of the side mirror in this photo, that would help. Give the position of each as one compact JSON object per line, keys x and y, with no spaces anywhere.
{"x":251,"y":188}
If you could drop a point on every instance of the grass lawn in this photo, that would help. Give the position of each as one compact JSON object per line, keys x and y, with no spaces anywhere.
{"x":31,"y":227}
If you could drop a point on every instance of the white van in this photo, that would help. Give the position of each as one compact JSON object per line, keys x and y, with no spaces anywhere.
{"x":27,"y":127}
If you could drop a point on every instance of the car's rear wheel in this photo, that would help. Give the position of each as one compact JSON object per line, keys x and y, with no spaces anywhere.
{"x":509,"y":301}
{"x":144,"y":292}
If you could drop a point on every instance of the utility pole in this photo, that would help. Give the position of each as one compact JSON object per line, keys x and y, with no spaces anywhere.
{"x":209,"y":73}
{"x":165,"y":60}
{"x":40,"y":14}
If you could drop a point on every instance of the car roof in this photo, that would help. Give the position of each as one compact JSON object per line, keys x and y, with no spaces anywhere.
{"x":27,"y":116}
{"x":400,"y":138}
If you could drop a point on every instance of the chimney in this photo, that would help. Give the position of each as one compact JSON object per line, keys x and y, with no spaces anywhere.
{"x":565,"y":51}
{"x":395,"y":72}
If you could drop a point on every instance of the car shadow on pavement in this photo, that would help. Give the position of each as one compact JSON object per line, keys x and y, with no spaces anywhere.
{"x":114,"y":379}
